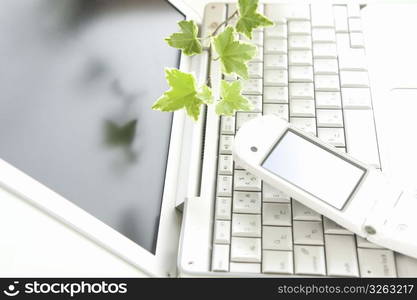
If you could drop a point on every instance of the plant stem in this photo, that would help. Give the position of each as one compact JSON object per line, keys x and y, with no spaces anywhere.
{"x":224,"y":22}
{"x":236,"y":13}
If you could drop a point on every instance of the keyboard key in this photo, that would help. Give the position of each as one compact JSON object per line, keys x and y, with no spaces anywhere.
{"x":364,"y":243}
{"x":341,"y":255}
{"x":220,"y":258}
{"x":246,"y":225}
{"x":276,"y":214}
{"x":343,"y":42}
{"x":302,"y":108}
{"x":245,"y":181}
{"x":275,"y":94}
{"x":230,"y":77}
{"x":326,"y":66}
{"x":356,"y":98}
{"x":355,"y":25}
{"x":246,"y":249}
{"x":277,"y":31}
{"x":299,"y":27}
{"x":300,"y":74}
{"x":309,"y":260}
{"x":270,"y":194}
{"x":340,"y":18}
{"x":224,"y":186}
{"x":279,"y":110}
{"x":259,"y":55}
{"x":222,"y":232}
{"x":252,"y":86}
{"x":276,"y":77}
{"x":225,"y":166}
{"x":354,"y":79}
{"x":342,"y":149}
{"x":275,"y":46}
{"x":329,"y":118}
{"x":308,"y":233}
{"x":331,"y":227}
{"x":300,"y":57}
{"x":376,"y":263}
{"x":231,"y":8}
{"x":301,"y":90}
{"x":326,"y":83}
{"x":361,"y":137}
{"x":301,"y":212}
{"x":287,"y":11}
{"x":245,"y":267}
{"x":406,"y":266}
{"x":305,"y":124}
{"x":215,"y":14}
{"x":223,"y":208}
{"x":255,"y":69}
{"x":226,"y":144}
{"x":275,"y":61}
{"x":257,"y":38}
{"x":328,"y":100}
{"x":353,"y":59}
{"x":276,"y":238}
{"x":243,"y":117}
{"x":247,"y":202}
{"x":353,"y":10}
{"x":332,"y":136}
{"x":324,"y":50}
{"x":227,"y":125}
{"x":299,"y":42}
{"x":277,"y":262}
{"x":356,"y":40}
{"x":256,"y":101}
{"x":324,"y":35}
{"x":322,"y":15}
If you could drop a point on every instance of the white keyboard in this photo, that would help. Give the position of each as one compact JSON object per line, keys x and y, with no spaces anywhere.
{"x":311,"y":71}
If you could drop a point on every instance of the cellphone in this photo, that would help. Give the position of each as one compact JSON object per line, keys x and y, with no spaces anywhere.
{"x":347,"y":191}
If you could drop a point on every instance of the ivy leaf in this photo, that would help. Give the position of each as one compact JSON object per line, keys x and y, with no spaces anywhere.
{"x":183,"y":93}
{"x":205,"y":94}
{"x":186,"y":40}
{"x":232,"y":99}
{"x":233,"y":54}
{"x":249,"y":18}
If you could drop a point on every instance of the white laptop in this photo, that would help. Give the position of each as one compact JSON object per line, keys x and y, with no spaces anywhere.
{"x":161,"y":192}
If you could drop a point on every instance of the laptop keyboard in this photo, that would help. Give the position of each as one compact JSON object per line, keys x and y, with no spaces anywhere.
{"x":311,"y":71}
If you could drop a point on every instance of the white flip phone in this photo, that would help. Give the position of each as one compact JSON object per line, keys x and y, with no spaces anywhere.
{"x":354,"y":195}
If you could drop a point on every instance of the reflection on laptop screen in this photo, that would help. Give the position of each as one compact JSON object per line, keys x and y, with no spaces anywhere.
{"x":77,"y":83}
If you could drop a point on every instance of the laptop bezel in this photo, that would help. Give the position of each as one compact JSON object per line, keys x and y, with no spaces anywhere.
{"x":164,"y":261}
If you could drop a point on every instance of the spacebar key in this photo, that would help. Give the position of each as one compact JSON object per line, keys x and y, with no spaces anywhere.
{"x":361,"y":137}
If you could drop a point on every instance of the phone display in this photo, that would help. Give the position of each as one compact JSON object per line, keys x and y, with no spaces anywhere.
{"x":314,"y":169}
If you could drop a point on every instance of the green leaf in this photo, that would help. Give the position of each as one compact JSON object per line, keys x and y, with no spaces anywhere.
{"x":232,"y":99}
{"x":205,"y":94}
{"x":183,"y":93}
{"x":233,"y":54}
{"x":186,"y":40}
{"x":249,"y":19}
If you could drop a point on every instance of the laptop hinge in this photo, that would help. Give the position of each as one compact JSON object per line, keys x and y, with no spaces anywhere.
{"x":193,"y":139}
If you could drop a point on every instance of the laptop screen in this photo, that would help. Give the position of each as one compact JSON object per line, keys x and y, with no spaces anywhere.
{"x":77,"y":82}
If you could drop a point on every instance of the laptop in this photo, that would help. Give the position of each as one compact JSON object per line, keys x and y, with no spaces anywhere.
{"x":160,"y":191}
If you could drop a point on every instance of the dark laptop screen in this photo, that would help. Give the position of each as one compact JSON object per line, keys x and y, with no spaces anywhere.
{"x":77,"y":82}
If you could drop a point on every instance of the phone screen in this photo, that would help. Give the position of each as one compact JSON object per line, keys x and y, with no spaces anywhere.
{"x":314,"y":169}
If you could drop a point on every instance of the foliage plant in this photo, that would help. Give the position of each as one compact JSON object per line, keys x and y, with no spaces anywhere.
{"x":233,"y":54}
